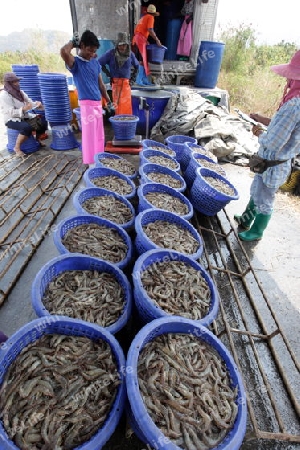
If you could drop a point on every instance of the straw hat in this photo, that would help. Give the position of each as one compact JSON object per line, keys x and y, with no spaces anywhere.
{"x":290,"y":70}
{"x":152,"y":10}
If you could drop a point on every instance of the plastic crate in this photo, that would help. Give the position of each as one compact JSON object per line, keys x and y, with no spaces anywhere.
{"x":74,"y":221}
{"x":177,"y":142}
{"x":81,"y":196}
{"x":31,"y":332}
{"x":124,"y":129}
{"x":144,"y":204}
{"x":98,"y":160}
{"x":96,"y":172}
{"x":146,"y":307}
{"x":139,"y":417}
{"x":148,"y":152}
{"x":146,"y":169}
{"x":76,"y":261}
{"x":143,"y":243}
{"x":195,"y":163}
{"x":205,"y":198}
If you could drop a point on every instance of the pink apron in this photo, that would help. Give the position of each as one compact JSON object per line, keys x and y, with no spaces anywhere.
{"x":92,"y":135}
{"x":185,"y":39}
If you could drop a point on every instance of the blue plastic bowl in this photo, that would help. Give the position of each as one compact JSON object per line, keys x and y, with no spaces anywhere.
{"x":141,"y":421}
{"x":146,"y":307}
{"x":148,"y":152}
{"x":124,"y":129}
{"x":64,"y":325}
{"x":187,"y":153}
{"x":70,"y":222}
{"x":176,"y":143}
{"x":96,"y":172}
{"x":143,"y":243}
{"x":197,"y":160}
{"x":76,"y":261}
{"x":98,"y":160}
{"x":205,"y":198}
{"x":146,"y":169}
{"x":144,"y":204}
{"x":85,"y":194}
{"x":150,"y":143}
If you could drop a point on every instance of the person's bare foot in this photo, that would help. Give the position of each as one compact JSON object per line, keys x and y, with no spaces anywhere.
{"x":19,"y":153}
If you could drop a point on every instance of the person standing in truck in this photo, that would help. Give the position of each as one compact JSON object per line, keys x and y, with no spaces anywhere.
{"x":121,"y":66}
{"x":86,"y":72}
{"x":144,"y":29}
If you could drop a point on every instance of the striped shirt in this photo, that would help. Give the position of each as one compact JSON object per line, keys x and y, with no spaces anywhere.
{"x":281,"y":141}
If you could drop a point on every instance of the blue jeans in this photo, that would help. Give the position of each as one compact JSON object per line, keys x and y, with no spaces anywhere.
{"x":262,"y":196}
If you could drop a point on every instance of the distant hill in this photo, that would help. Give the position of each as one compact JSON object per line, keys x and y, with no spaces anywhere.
{"x":49,"y":40}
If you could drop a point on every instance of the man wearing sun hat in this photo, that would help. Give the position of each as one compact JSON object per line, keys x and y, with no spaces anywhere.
{"x":121,"y":66}
{"x":277,"y":147}
{"x":143,"y":29}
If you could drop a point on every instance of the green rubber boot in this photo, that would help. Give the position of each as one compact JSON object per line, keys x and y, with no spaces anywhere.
{"x":245,"y":220}
{"x":257,"y":230}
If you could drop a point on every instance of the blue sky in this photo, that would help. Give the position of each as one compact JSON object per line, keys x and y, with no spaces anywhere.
{"x":273,"y":21}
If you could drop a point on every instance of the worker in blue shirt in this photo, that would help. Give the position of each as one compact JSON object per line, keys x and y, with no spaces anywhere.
{"x":121,"y":65}
{"x":277,"y":146}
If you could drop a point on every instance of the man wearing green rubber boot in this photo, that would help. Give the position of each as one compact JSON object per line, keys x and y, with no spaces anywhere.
{"x":277,"y":146}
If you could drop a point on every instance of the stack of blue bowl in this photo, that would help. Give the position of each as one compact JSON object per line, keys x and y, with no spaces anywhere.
{"x":63,"y":138}
{"x":55,"y":98}
{"x":29,"y":82}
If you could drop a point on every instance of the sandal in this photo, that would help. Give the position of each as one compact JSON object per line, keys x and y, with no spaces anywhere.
{"x":42,"y":144}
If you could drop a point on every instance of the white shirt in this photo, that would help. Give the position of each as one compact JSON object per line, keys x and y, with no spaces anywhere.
{"x":11,"y":107}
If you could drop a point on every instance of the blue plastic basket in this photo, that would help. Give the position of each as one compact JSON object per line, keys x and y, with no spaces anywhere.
{"x":149,"y":168}
{"x":205,"y":198}
{"x":100,"y":156}
{"x":81,"y":196}
{"x":29,"y":146}
{"x":96,"y":172}
{"x":77,"y":113}
{"x":76,"y":261}
{"x":74,"y":221}
{"x":144,"y":204}
{"x":168,"y":161}
{"x":177,"y":142}
{"x":146,"y":307}
{"x":63,"y":138}
{"x":143,"y":243}
{"x":190,"y":149}
{"x":155,"y":53}
{"x":140,"y":419}
{"x":186,"y":154}
{"x":31,"y":332}
{"x":150,"y":143}
{"x":124,"y":129}
{"x":196,"y":161}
